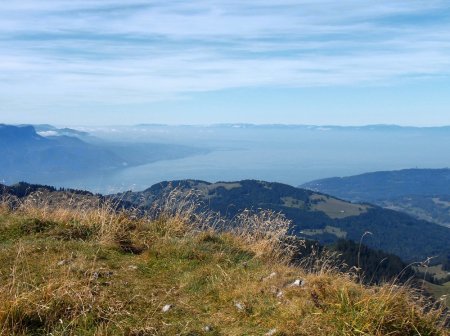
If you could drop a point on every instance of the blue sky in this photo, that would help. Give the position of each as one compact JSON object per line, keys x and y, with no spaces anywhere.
{"x":345,"y":62}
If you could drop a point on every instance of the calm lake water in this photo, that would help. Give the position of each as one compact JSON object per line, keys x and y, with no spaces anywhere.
{"x":292,"y":155}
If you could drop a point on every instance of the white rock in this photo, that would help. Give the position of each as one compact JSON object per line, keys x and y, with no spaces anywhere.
{"x":207,"y":328}
{"x":270,"y":276}
{"x":297,"y":283}
{"x":271,"y":332}
{"x":166,"y":308}
{"x":240,"y":306}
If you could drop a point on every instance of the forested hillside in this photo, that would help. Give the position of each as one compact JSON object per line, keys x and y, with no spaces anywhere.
{"x":314,"y":215}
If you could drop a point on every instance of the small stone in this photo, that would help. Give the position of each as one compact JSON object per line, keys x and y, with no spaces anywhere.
{"x":270,"y":276}
{"x":239,"y":306}
{"x":207,"y":328}
{"x":62,"y":262}
{"x":279,"y":294}
{"x":166,"y":308}
{"x":271,"y":332}
{"x":101,"y":273}
{"x":297,"y":283}
{"x":132,"y":267}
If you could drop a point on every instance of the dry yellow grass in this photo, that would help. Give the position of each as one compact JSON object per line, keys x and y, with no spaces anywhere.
{"x":88,"y":270}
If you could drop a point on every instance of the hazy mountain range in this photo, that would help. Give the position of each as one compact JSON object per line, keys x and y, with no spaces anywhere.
{"x":29,"y":156}
{"x":142,"y":155}
{"x":422,"y":193}
{"x":64,"y":154}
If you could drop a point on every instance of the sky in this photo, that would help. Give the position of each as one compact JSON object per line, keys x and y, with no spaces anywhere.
{"x":104,"y":62}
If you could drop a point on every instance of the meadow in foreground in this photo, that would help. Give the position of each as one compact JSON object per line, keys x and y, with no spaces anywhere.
{"x":69,"y":270}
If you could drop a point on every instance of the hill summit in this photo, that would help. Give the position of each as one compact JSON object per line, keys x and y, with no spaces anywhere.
{"x":314,"y":215}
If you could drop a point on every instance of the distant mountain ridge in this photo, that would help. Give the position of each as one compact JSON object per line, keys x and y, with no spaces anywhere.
{"x":385,"y":184}
{"x":384,"y":127}
{"x":54,"y":156}
{"x":17,"y":134}
{"x":422,"y":193}
{"x":27,"y":155}
{"x":49,"y":130}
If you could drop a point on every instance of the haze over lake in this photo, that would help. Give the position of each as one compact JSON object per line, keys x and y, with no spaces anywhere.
{"x":288,"y":154}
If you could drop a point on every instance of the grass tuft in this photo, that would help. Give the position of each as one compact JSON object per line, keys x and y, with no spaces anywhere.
{"x":93,"y":270}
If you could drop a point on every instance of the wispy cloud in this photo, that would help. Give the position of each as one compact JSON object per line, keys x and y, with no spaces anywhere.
{"x":80,"y":51}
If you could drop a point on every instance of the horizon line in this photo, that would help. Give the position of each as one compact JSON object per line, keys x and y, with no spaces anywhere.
{"x":231,"y":124}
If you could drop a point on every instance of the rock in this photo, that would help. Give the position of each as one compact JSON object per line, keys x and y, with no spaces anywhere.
{"x":271,"y":332}
{"x":297,"y":283}
{"x":132,"y":267}
{"x":207,"y":328}
{"x":101,"y":273}
{"x":270,"y":276}
{"x":239,"y":306}
{"x":166,"y":308}
{"x":62,"y":262}
{"x":276,"y":292}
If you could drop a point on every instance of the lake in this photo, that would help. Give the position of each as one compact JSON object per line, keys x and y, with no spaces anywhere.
{"x":287,"y":154}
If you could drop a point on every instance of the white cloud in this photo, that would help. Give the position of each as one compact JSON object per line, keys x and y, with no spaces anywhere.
{"x":77,"y":52}
{"x":48,"y":133}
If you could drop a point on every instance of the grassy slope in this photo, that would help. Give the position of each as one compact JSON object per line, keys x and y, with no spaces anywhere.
{"x":72,"y":273}
{"x":310,"y":211}
{"x":440,"y":291}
